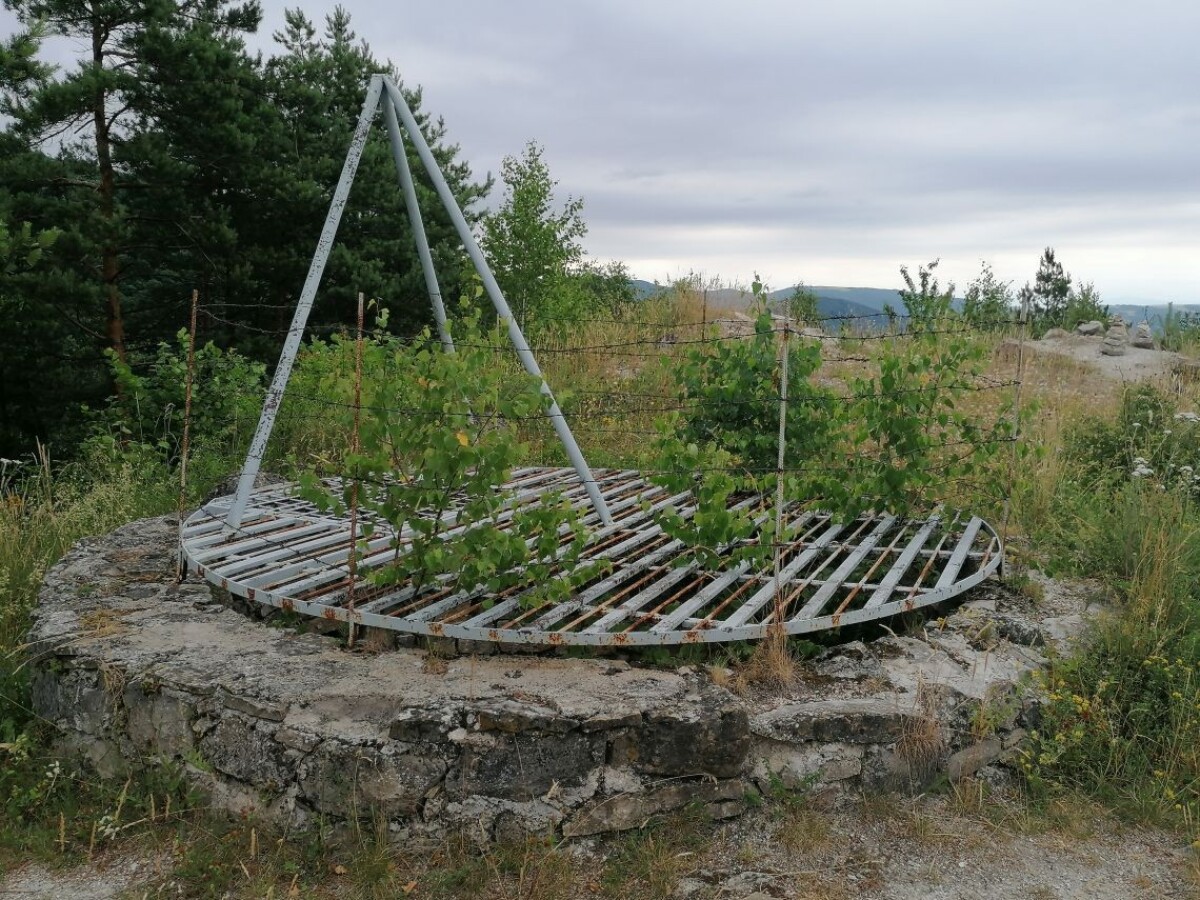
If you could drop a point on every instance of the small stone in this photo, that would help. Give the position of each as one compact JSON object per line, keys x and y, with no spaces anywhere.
{"x":259,"y":709}
{"x":1089,"y":329}
{"x":971,"y":759}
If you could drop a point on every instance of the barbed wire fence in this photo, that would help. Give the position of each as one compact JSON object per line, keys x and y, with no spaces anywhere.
{"x":612,"y":375}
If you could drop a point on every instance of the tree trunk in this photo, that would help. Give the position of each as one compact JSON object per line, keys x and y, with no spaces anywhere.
{"x":110,"y":264}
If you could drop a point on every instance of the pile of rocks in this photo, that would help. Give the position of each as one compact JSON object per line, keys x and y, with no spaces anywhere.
{"x":1118,"y":339}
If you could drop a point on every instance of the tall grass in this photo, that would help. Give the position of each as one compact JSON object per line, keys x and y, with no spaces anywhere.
{"x":42,"y":513}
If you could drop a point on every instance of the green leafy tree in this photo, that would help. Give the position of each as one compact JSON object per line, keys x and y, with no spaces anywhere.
{"x":19,"y":252}
{"x":437,"y":438}
{"x":109,"y":98}
{"x":531,"y":243}
{"x":209,"y":169}
{"x":988,"y":303}
{"x":923,"y":298}
{"x":1083,"y":305}
{"x":802,"y":306}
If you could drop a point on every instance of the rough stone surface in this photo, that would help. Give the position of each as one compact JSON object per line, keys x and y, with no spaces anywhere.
{"x":131,"y":667}
{"x":1116,"y":340}
{"x":1143,"y":336}
{"x":1090,"y":328}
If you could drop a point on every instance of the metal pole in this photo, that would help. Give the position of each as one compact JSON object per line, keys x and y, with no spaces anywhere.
{"x":501,"y":305}
{"x":1012,"y":466}
{"x":355,"y":447}
{"x":291,"y":346}
{"x":783,"y":407}
{"x":187,"y":429}
{"x":418,"y":226}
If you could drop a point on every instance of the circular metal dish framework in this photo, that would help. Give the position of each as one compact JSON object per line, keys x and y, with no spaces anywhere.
{"x":289,"y":555}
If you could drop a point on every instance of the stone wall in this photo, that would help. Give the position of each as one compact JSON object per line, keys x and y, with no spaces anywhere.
{"x":133,"y":668}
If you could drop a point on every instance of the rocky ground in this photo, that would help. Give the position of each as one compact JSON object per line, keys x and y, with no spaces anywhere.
{"x":1136,"y":364}
{"x":951,"y":846}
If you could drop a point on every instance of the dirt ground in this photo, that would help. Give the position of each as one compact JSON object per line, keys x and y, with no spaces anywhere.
{"x":882,"y":847}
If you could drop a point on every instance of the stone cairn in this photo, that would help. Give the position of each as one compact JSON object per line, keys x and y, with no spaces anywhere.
{"x":1117,"y":340}
{"x":1143,"y":337}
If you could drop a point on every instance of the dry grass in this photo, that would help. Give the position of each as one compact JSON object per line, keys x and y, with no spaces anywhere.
{"x":921,"y":743}
{"x":772,"y":665}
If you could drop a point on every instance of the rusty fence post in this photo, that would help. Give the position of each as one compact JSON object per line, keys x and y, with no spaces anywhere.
{"x":355,"y":447}
{"x":180,"y":570}
{"x":780,"y":460}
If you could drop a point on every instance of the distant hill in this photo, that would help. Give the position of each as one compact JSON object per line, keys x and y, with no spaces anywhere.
{"x":1154,"y":313}
{"x":831,"y":301}
{"x":860,"y":301}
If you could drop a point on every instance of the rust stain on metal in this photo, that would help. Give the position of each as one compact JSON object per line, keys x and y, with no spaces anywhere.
{"x":642,"y":588}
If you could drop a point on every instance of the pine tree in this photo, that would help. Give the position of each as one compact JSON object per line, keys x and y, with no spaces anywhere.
{"x":1050,"y":293}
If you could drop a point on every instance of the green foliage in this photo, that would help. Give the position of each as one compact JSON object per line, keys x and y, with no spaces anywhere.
{"x":732,"y":391}
{"x":802,"y":306}
{"x":719,"y":532}
{"x":895,"y":442}
{"x":213,"y":170}
{"x":1148,"y":441}
{"x":437,"y":437}
{"x":1083,"y":305}
{"x":924,"y":300}
{"x":1181,"y":331}
{"x":149,"y":406}
{"x":988,"y":304}
{"x":1048,"y":299}
{"x":911,"y":436}
{"x":531,"y":244}
{"x":1121,"y":720}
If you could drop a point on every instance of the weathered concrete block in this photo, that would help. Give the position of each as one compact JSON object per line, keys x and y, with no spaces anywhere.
{"x":525,"y":766}
{"x":246,"y":749}
{"x":292,"y":727}
{"x":159,"y":721}
{"x":703,"y":740}
{"x":353,"y":781}
{"x":425,"y":724}
{"x":800,"y":766}
{"x":721,"y":799}
{"x":513,"y":717}
{"x":73,"y":698}
{"x":843,"y":720}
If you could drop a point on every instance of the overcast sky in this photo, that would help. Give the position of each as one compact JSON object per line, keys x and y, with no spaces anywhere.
{"x":833,"y":142}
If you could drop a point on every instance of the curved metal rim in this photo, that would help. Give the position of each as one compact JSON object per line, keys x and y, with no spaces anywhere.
{"x":687,"y":631}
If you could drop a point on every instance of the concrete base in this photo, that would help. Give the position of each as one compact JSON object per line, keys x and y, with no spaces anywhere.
{"x":133,"y":668}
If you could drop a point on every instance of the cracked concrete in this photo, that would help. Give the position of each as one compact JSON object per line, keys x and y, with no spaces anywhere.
{"x":132,"y":667}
